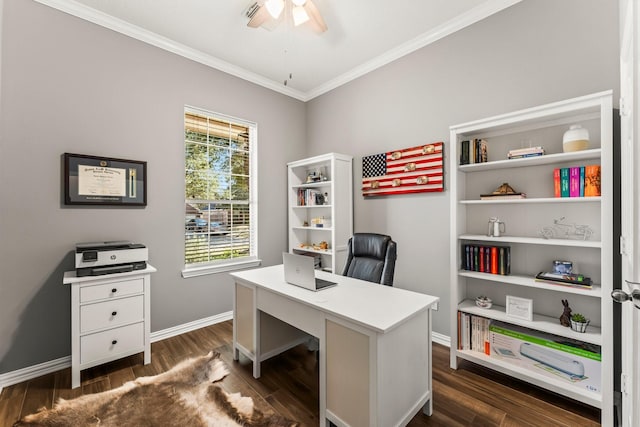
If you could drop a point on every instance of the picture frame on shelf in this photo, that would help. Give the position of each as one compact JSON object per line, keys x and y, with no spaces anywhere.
{"x":519,"y":308}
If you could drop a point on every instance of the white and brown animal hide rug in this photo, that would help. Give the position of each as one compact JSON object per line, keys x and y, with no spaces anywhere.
{"x":186,"y":395}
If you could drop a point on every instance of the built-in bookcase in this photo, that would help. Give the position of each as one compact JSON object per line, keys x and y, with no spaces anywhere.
{"x":524,"y":218}
{"x":320,"y":208}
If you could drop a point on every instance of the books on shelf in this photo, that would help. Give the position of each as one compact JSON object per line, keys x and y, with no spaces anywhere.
{"x":486,"y":259}
{"x":576,"y":181}
{"x":521,"y":153}
{"x":473,"y":333}
{"x":473,"y":151}
{"x":310,"y":197}
{"x":570,"y":279}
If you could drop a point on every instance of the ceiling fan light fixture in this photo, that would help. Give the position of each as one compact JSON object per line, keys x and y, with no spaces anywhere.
{"x":274,"y":7}
{"x":300,"y":15}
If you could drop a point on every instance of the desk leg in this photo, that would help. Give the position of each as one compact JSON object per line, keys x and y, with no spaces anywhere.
{"x":427,"y":409}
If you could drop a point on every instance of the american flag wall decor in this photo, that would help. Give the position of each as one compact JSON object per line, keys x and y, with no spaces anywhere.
{"x":411,"y":170}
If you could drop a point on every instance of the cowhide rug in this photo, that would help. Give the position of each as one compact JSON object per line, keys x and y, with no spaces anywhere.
{"x":186,"y":395}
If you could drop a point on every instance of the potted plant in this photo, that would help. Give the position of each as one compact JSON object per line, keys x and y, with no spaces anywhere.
{"x":579,"y":323}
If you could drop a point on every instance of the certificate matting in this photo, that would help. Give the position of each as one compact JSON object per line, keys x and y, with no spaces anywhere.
{"x":93,"y":180}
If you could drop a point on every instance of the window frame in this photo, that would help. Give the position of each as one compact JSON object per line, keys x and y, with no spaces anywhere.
{"x":253,"y":260}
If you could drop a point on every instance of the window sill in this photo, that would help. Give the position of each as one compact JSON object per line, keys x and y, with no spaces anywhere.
{"x":219,"y":268}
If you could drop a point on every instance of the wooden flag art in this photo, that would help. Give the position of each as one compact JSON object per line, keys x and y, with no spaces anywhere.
{"x":412,"y":170}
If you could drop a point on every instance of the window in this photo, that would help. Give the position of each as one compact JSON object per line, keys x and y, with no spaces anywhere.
{"x":220,"y":223}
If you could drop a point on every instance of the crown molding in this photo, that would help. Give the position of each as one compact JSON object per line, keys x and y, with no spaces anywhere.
{"x":456,"y":24}
{"x":97,"y":17}
{"x":468,"y":18}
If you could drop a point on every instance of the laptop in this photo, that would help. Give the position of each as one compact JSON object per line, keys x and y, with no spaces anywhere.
{"x":299,"y":270}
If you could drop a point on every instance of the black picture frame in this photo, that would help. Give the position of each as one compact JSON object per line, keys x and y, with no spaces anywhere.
{"x":93,"y":180}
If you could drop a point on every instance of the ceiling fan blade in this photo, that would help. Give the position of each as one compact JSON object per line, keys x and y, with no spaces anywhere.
{"x":316,"y":20}
{"x":260,"y":17}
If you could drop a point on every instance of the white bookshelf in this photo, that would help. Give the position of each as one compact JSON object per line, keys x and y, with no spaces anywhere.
{"x":336,"y":181}
{"x":540,"y":126}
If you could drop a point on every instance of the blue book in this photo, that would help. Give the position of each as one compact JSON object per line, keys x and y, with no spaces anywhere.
{"x":581,"y":181}
{"x":564,"y":182}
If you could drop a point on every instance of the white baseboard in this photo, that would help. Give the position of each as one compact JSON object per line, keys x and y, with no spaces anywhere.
{"x":441,"y":339}
{"x":191,"y":326}
{"x":30,"y":372}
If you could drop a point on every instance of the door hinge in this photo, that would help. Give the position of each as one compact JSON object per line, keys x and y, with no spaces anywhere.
{"x":623,"y":246}
{"x":623,"y":108}
{"x":624,"y":386}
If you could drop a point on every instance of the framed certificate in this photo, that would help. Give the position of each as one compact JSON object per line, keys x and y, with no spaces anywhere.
{"x":519,"y":308}
{"x":93,"y":180}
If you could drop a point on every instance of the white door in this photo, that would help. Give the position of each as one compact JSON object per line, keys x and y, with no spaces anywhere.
{"x":629,"y":294}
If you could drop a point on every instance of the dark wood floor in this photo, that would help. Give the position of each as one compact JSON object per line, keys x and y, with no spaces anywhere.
{"x":469,"y":396}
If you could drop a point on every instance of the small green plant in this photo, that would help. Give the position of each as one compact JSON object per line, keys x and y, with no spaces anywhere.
{"x":578,"y":318}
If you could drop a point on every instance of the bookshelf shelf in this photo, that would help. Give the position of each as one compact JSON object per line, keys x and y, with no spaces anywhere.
{"x":539,"y":126}
{"x":547,"y":159}
{"x":529,"y":281}
{"x":541,"y":200}
{"x":531,"y":241}
{"x":336,"y":183}
{"x":540,"y":322}
{"x":505,"y":367}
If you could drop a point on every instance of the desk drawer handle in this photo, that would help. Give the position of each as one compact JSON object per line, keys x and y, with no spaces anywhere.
{"x":114,"y":290}
{"x":113,"y":313}
{"x":114,"y":342}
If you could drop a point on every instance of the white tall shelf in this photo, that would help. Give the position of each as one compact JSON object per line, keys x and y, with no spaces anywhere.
{"x":337,"y":182}
{"x":530,"y":254}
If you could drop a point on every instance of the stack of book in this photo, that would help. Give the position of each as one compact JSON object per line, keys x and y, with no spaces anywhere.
{"x":577,"y":181}
{"x":473,"y":151}
{"x":487,"y":259}
{"x":316,"y":258}
{"x":473,"y":333}
{"x":521,"y":153}
{"x":565,"y":279}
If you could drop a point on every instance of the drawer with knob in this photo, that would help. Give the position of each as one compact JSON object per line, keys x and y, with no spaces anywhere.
{"x":113,"y":289}
{"x":111,"y":343}
{"x":109,"y":314}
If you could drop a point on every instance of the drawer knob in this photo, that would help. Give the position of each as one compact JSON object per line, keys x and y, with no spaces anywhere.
{"x":114,"y":342}
{"x":114,"y":290}
{"x":113,"y":313}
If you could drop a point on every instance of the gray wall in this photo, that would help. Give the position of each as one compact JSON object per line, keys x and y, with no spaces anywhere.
{"x":532,"y":53}
{"x":71,"y":86}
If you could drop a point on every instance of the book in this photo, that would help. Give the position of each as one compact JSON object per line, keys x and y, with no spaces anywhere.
{"x":574,"y":181}
{"x":464,"y":152}
{"x":505,"y":196}
{"x":592,"y":181}
{"x":556,"y":182}
{"x":581,"y":181}
{"x":564,"y":182}
{"x":564,"y":278}
{"x":526,"y":150}
{"x":522,"y":156}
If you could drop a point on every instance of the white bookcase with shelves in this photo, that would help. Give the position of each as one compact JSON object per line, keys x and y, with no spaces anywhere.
{"x":320,"y":208}
{"x":529,"y":253}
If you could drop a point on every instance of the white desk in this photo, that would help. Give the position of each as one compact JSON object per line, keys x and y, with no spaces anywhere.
{"x":375,"y":342}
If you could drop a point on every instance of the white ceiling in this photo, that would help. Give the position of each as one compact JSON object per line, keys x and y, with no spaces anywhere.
{"x":362,"y":36}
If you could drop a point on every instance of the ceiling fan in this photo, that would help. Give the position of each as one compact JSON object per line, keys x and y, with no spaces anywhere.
{"x":267,"y":14}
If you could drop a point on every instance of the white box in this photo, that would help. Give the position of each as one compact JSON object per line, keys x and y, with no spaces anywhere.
{"x":573,"y":361}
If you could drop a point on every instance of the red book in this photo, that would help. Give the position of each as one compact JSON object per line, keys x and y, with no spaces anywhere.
{"x":482,"y":259}
{"x":494,"y":260}
{"x":556,"y":182}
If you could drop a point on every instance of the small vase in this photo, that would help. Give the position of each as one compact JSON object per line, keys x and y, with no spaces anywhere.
{"x":579,"y":326}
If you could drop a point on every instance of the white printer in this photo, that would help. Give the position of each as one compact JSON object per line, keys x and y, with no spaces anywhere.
{"x":95,"y":259}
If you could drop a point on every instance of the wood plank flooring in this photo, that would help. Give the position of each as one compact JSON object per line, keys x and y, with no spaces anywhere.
{"x":469,"y":396}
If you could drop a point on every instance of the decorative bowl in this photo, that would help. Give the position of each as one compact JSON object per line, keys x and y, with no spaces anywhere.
{"x":484,"y":302}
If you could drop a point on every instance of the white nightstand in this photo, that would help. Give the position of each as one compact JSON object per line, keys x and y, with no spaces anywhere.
{"x":109,"y":318}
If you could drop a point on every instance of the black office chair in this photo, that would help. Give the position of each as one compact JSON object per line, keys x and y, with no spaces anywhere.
{"x":372,"y":257}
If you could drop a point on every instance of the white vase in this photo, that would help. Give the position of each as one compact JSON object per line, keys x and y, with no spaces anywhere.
{"x":575,"y":139}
